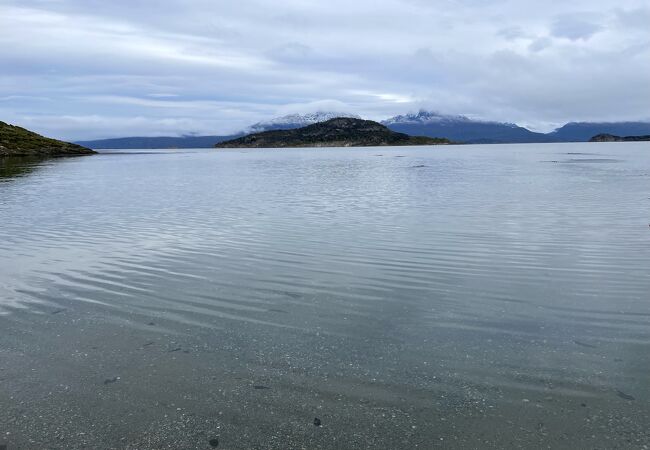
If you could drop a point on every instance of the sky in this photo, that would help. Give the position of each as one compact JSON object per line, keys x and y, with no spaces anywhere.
{"x":86,"y":69}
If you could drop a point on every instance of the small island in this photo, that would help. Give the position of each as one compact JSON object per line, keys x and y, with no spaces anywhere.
{"x":17,"y":141}
{"x":613,"y":138}
{"x":338,"y":132}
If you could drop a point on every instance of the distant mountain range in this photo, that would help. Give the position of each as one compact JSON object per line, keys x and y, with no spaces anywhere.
{"x":584,"y":131}
{"x":143,"y":142}
{"x":423,"y":123}
{"x":462,"y":129}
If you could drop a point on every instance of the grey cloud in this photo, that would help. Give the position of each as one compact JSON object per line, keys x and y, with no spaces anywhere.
{"x":574,"y":28}
{"x":540,"y":44}
{"x":89,"y":68}
{"x":512,"y":33}
{"x":638,"y":18}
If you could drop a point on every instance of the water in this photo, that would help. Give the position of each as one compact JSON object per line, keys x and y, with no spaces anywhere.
{"x":452,"y":297}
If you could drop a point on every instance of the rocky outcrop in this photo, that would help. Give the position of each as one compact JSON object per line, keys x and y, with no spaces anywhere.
{"x":613,"y":138}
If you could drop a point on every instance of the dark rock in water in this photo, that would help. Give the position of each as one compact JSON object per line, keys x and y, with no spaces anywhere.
{"x":17,"y":141}
{"x":111,"y":380}
{"x":151,"y":324}
{"x":259,"y":386}
{"x":339,"y":132}
{"x":584,"y":344}
{"x":58,"y":311}
{"x":624,"y":396}
{"x":317,"y":422}
{"x":214,"y":442}
{"x":177,"y":349}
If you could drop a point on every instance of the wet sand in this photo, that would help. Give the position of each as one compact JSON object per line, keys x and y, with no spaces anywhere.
{"x":81,"y":379}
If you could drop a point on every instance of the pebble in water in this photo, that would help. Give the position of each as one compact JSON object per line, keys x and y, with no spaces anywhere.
{"x":214,"y":442}
{"x":624,"y":396}
{"x":317,"y":422}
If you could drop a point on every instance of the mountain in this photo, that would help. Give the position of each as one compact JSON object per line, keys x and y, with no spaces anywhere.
{"x":293,"y":121}
{"x":584,"y":131}
{"x":17,"y":141}
{"x":280,"y":123}
{"x":339,"y":132}
{"x":423,"y":123}
{"x":463,"y":129}
{"x":156,"y":142}
{"x":612,"y":138}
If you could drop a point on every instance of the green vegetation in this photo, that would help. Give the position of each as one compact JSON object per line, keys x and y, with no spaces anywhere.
{"x":16,"y":141}
{"x":339,"y":132}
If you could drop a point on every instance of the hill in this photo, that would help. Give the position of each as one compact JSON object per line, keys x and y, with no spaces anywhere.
{"x":17,"y":141}
{"x":339,"y":132}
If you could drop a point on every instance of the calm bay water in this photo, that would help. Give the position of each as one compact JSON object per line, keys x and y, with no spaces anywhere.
{"x":452,"y":297}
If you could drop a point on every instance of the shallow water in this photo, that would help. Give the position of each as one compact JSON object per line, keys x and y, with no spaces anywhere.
{"x":452,"y":297}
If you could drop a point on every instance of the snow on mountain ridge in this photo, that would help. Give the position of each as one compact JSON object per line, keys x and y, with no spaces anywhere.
{"x":428,"y":117}
{"x":423,"y":116}
{"x":297,"y":120}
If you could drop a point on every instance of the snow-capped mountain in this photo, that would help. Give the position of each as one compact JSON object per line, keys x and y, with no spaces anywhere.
{"x":292,"y":121}
{"x":423,"y":116}
{"x":461,"y":128}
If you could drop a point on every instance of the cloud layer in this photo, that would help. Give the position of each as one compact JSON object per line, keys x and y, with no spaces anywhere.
{"x":80,"y":69}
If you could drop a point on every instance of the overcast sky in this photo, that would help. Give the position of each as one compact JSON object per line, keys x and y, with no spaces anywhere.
{"x":77,"y":69}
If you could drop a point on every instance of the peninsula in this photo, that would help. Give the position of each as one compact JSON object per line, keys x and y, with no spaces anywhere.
{"x":17,"y":141}
{"x":613,"y":138}
{"x":337,"y":132}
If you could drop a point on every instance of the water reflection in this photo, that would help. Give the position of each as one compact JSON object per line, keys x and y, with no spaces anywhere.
{"x":13,"y":166}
